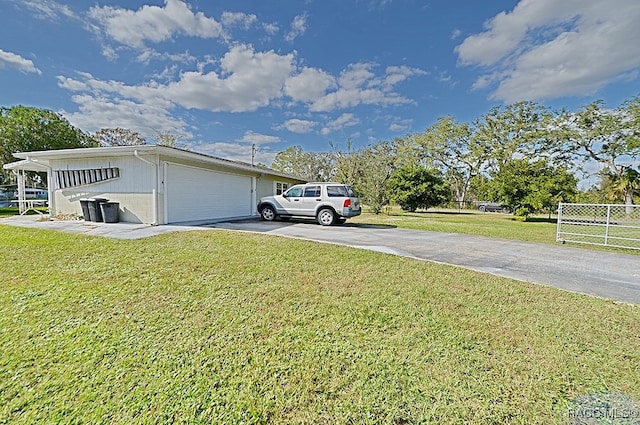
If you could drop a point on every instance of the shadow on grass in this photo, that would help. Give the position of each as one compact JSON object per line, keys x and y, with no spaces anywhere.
{"x":368,"y":225}
{"x":448,"y":212}
{"x":538,"y":220}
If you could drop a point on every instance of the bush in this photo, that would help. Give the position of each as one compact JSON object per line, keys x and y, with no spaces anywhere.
{"x":414,"y":187}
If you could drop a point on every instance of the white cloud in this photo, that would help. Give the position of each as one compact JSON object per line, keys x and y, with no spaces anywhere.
{"x":248,"y":80}
{"x":96,"y":112}
{"x":309,"y":85}
{"x":257,"y":138}
{"x":244,"y":20}
{"x":11,"y":60}
{"x":48,"y":9}
{"x":358,"y":85}
{"x":298,"y":27}
{"x":271,"y":28}
{"x":400,"y":125}
{"x":300,"y":126}
{"x":150,"y":54}
{"x":153,"y":23}
{"x":545,"y":49}
{"x":343,"y":121}
{"x":397,"y":74}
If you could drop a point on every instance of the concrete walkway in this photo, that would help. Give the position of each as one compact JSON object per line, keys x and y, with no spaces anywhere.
{"x":108,"y":230}
{"x":605,"y":274}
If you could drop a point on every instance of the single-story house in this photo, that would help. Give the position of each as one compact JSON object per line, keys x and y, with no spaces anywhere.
{"x":153,"y":184}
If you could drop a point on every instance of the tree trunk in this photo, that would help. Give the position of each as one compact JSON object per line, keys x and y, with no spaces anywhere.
{"x":628,"y":201}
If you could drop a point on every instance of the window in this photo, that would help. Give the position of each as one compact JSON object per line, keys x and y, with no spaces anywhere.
{"x":311,"y":191}
{"x":281,"y":188}
{"x":337,"y":191}
{"x":295,"y":192}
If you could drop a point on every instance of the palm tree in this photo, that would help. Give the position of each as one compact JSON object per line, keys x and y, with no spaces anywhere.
{"x":625,"y":185}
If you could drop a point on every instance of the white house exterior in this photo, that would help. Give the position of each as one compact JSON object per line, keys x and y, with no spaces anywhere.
{"x":154,"y":184}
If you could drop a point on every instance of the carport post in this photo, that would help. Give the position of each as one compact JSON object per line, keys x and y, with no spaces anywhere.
{"x":50,"y":182}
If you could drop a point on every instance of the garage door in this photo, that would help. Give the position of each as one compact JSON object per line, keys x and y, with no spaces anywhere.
{"x":194,"y":194}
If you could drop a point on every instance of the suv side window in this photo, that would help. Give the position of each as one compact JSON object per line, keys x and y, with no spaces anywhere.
{"x":294,"y":192}
{"x":337,"y":191}
{"x":311,"y":191}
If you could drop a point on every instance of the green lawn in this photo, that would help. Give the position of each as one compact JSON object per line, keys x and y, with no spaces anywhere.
{"x":11,"y":211}
{"x":494,"y":225}
{"x":505,"y":226}
{"x":223,"y":327}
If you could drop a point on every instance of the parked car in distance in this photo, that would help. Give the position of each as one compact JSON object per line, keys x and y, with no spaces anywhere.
{"x":328,"y":203}
{"x":493,"y":207}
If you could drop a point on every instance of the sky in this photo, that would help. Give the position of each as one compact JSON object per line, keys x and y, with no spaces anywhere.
{"x":226,"y":75}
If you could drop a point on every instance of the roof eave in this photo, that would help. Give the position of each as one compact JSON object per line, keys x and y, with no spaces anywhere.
{"x":149,"y":149}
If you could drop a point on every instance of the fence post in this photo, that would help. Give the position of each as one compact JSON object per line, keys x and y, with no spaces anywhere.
{"x":606,"y":232}
{"x":559,"y":222}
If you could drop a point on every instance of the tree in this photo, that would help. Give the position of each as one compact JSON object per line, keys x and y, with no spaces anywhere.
{"x":306,"y":165}
{"x":533,"y":186}
{"x":414,"y":187}
{"x":623,"y":186}
{"x":167,"y":138}
{"x":118,"y":137}
{"x":517,"y":130}
{"x":376,"y":164}
{"x":24,"y":129}
{"x":611,"y":138}
{"x":454,"y":148}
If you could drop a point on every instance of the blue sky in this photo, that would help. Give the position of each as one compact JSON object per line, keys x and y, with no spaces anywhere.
{"x":228,"y":74}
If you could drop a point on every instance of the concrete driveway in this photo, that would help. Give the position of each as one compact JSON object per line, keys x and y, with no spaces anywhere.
{"x":604,"y":274}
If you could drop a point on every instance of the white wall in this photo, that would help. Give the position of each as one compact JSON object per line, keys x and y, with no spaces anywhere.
{"x":133,"y":189}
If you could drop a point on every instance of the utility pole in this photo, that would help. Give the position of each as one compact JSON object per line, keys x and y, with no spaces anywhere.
{"x":253,"y":154}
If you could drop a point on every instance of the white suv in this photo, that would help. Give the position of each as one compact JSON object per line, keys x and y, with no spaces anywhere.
{"x":329,"y":203}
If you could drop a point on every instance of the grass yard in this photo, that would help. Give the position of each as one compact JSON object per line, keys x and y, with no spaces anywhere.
{"x":505,"y":226}
{"x":494,"y":225}
{"x":223,"y":327}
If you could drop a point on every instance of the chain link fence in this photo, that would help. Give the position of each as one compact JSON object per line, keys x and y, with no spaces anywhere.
{"x":599,"y":224}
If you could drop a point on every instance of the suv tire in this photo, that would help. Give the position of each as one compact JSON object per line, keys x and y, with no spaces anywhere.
{"x":268,"y":213}
{"x":326,"y":217}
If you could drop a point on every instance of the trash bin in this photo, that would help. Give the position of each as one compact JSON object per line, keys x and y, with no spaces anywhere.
{"x":84,"y":203}
{"x":94,"y":209}
{"x":110,"y":211}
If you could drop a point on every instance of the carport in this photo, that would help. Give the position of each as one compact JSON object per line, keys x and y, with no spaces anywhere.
{"x":20,"y":168}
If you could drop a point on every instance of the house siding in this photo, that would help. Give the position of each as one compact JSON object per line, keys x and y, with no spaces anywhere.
{"x":133,"y":189}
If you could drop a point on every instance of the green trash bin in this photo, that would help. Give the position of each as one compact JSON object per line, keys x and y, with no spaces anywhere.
{"x":109,"y":211}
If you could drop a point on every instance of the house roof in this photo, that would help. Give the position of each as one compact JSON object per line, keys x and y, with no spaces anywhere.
{"x":39,"y":160}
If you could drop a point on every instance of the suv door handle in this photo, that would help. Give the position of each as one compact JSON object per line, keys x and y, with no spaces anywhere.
{"x":318,"y":199}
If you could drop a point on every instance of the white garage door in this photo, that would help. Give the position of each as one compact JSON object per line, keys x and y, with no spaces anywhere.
{"x":194,"y":194}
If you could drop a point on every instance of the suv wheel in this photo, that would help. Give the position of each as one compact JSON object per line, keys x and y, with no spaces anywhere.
{"x":326,"y":217}
{"x":267,"y":213}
